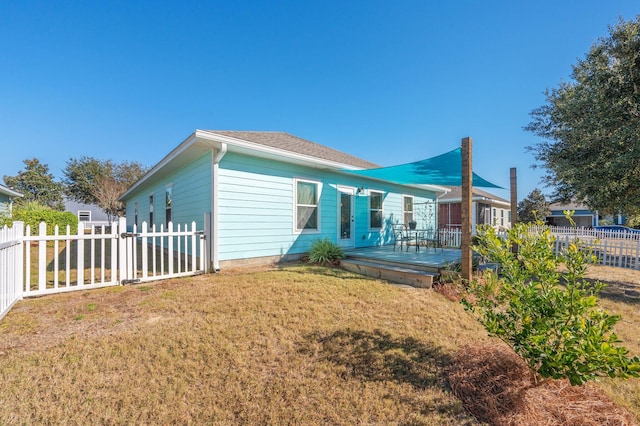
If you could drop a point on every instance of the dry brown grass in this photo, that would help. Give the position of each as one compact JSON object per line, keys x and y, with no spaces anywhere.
{"x":299,"y":345}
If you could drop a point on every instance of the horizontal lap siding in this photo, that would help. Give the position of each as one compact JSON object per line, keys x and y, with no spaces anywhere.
{"x":255,"y":203}
{"x":4,"y":204}
{"x":191,"y":196}
{"x":256,"y":199}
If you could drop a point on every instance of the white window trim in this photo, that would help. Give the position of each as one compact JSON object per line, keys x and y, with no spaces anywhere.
{"x":371,"y":191}
{"x":413,"y":210}
{"x":152,"y":210}
{"x":167,"y":186}
{"x":295,"y":207}
{"x":84,"y":212}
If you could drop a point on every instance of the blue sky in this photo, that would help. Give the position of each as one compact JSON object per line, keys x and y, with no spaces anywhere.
{"x":388,"y":81}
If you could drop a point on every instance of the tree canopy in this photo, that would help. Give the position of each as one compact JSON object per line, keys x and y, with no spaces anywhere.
{"x":37,"y":185}
{"x":590,"y":126}
{"x":100,"y":182}
{"x":533,"y":208}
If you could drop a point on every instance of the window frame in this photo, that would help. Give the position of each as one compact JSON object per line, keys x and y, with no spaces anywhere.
{"x":83,"y":213}
{"x":151,"y":209}
{"x":405,"y":212}
{"x":376,"y":210}
{"x":296,"y":205}
{"x":168,"y":204}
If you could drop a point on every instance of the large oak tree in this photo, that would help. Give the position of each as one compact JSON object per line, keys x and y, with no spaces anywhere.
{"x":37,"y":185}
{"x":590,"y":126}
{"x":101,"y":182}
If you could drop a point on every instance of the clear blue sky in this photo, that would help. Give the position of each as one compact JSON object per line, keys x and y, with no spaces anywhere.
{"x":388,"y":81}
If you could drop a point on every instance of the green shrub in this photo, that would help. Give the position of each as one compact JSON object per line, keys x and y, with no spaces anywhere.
{"x":551,"y":320}
{"x":325,"y":252}
{"x":33,"y":213}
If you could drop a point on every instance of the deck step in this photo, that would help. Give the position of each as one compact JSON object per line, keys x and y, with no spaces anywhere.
{"x":394,"y":273}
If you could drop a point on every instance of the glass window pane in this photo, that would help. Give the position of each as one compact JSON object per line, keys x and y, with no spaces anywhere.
{"x":376,"y":219}
{"x":376,"y":200}
{"x":307,"y":193}
{"x":307,"y":217}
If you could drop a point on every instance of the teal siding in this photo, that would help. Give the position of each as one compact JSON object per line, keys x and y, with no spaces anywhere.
{"x":4,"y":204}
{"x":256,"y":205}
{"x":256,"y":199}
{"x":191,"y":196}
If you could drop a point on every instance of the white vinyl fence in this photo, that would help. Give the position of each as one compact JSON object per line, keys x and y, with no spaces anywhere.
{"x":10,"y":266}
{"x":34,"y":263}
{"x":611,"y":248}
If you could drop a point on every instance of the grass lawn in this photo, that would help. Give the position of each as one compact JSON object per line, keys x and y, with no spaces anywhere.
{"x":298,"y":345}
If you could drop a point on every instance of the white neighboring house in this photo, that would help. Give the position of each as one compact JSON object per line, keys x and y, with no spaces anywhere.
{"x":7,"y":196}
{"x":89,"y":214}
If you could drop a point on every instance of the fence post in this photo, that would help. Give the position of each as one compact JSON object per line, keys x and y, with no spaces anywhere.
{"x":42,"y":256}
{"x":80,"y":255}
{"x":170,"y":247}
{"x":18,"y":229}
{"x":143,"y":250}
{"x":122,"y":250}
{"x":207,"y":254}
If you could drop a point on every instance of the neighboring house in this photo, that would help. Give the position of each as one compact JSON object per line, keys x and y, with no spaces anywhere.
{"x":488,"y":209}
{"x":270,"y":195}
{"x":89,"y":214}
{"x":582,"y":216}
{"x":7,"y":196}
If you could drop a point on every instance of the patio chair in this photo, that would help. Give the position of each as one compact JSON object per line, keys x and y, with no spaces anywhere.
{"x":400,"y":236}
{"x":429,"y":237}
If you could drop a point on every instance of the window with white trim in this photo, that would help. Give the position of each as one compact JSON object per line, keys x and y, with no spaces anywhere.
{"x":168,"y":203}
{"x":307,"y":196}
{"x":84,"y":216}
{"x":150,"y":210}
{"x":375,"y":210}
{"x":135,"y":213}
{"x":407,"y":209}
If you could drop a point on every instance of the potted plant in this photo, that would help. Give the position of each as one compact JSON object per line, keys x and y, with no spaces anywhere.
{"x":412,"y":224}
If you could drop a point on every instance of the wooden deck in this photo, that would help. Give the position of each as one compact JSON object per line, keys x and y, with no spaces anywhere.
{"x":415,"y":268}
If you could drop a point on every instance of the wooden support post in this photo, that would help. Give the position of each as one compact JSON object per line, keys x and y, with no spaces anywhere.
{"x":467,"y":266}
{"x":514,"y":195}
{"x":514,"y":202}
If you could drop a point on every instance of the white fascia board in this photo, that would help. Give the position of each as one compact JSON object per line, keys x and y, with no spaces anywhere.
{"x":10,"y":192}
{"x":433,"y":188}
{"x":186,"y":144}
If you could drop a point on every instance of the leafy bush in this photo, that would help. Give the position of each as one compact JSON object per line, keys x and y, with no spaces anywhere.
{"x":33,"y":213}
{"x":555,"y":326}
{"x":325,"y":251}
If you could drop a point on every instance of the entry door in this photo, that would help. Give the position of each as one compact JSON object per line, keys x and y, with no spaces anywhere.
{"x":346,"y":217}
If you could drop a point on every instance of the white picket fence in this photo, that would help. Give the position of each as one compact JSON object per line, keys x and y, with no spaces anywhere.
{"x":611,"y":248}
{"x":35,"y":264}
{"x":10,"y":266}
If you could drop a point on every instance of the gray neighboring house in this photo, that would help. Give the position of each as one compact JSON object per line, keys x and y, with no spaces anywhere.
{"x":89,"y":214}
{"x":582,"y":216}
{"x":7,"y":196}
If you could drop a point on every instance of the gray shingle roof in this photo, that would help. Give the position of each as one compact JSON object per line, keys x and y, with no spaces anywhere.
{"x":288,"y":142}
{"x":456,"y":193}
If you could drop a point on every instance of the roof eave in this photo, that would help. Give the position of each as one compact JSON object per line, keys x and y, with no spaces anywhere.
{"x":10,"y":192}
{"x":215,"y":141}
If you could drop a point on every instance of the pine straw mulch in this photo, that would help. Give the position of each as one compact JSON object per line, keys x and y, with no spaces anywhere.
{"x":496,"y":386}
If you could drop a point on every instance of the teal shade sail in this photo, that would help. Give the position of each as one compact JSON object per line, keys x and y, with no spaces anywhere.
{"x":445,"y":169}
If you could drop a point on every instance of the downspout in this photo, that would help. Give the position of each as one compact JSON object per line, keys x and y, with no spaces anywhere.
{"x":215,"y":161}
